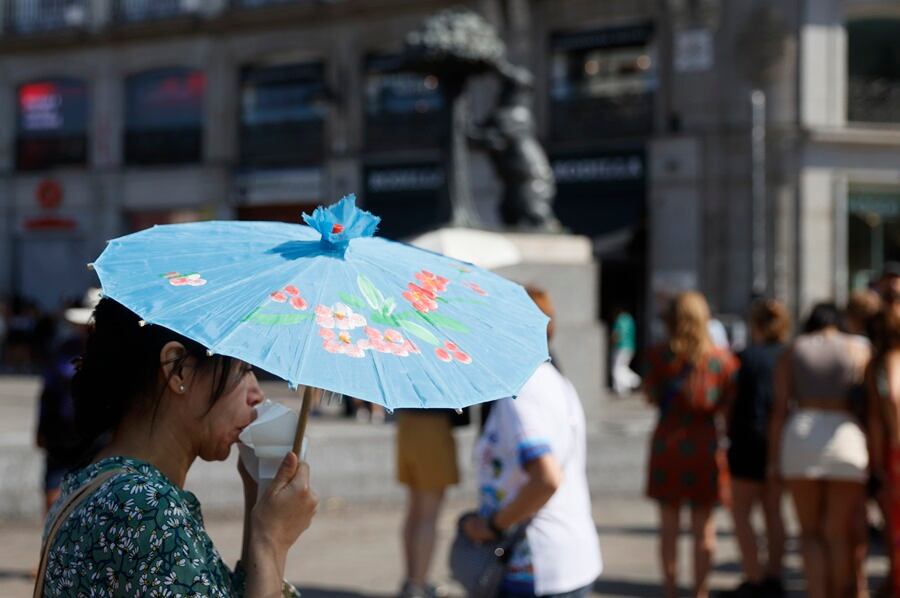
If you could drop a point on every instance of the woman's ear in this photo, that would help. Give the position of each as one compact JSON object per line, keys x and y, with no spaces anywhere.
{"x":171,"y":362}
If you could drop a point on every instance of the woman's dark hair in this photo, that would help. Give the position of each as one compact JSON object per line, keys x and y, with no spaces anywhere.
{"x":120,"y":368}
{"x":823,"y":315}
{"x":771,"y":319}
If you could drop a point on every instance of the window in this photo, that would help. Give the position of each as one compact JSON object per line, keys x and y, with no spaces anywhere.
{"x":283,"y":111}
{"x":602,"y":83}
{"x":873,"y":69}
{"x":136,"y":11}
{"x":51,"y":127}
{"x":39,"y":16}
{"x":164,"y":116}
{"x":873,"y":233}
{"x":404,"y":110}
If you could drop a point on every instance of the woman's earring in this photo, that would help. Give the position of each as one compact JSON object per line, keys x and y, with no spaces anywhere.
{"x":181,"y":388}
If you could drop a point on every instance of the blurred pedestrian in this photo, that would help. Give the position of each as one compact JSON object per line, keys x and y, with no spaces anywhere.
{"x":888,"y":282}
{"x":57,"y":433}
{"x":623,"y":344}
{"x":124,"y":525}
{"x":747,"y":447}
{"x":427,"y":466}
{"x":718,"y":333}
{"x":860,"y":317}
{"x":883,"y":389}
{"x":542,"y":299}
{"x":530,"y":460}
{"x":20,"y":334}
{"x":691,"y":382}
{"x":819,"y":448}
{"x":862,"y":308}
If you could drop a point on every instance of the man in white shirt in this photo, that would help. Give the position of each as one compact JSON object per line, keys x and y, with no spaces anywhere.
{"x":531,"y":466}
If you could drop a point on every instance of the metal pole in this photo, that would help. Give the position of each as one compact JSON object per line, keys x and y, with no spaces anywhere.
{"x":758,"y":185}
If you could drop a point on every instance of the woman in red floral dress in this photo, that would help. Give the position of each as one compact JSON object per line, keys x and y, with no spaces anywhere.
{"x":692,"y":383}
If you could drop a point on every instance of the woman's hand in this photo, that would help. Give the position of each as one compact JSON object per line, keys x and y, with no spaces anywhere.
{"x":283,"y":512}
{"x":286,"y":508}
{"x":476,"y":528}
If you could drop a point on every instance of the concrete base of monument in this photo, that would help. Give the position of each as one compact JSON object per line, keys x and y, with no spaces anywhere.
{"x":561,"y":264}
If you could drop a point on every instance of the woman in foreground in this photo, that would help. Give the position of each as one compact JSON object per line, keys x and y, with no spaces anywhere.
{"x":124,"y":524}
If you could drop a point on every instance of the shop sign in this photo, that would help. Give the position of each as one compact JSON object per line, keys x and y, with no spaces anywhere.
{"x":886,"y":205}
{"x":404,"y":179}
{"x":49,"y":194}
{"x":41,"y":222}
{"x":598,"y":169}
{"x":693,"y":50}
{"x":611,"y":37}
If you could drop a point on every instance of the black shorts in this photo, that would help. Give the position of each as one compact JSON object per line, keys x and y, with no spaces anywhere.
{"x":747,"y":456}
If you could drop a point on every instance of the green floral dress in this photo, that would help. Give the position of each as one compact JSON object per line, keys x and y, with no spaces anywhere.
{"x":136,"y":535}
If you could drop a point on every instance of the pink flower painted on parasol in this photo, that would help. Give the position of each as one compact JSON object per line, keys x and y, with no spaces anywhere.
{"x":421,"y":299}
{"x":451,"y":352}
{"x":475,"y":288}
{"x":432,"y":282}
{"x":341,"y":343}
{"x":338,"y":316}
{"x":389,"y":341}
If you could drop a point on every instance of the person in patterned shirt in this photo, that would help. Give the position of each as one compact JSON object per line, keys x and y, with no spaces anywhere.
{"x":139,"y":533}
{"x":691,"y":383}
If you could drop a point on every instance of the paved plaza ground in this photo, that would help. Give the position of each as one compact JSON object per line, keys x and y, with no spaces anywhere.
{"x":353,"y":547}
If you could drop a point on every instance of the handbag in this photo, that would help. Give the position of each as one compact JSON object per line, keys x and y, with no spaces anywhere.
{"x":480,"y":568}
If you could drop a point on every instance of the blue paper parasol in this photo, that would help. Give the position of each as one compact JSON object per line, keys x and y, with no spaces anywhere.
{"x":330,"y":306}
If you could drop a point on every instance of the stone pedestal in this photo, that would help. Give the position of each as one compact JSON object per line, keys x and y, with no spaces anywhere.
{"x":564,"y":266}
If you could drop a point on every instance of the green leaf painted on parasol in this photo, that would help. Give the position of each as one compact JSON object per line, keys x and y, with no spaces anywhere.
{"x":352,"y":300}
{"x":277,"y":319}
{"x":420,"y":331}
{"x":373,"y":296}
{"x":436,"y":319}
{"x":380,"y":318}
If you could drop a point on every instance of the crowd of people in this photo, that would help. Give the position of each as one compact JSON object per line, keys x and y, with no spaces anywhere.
{"x":815,"y":416}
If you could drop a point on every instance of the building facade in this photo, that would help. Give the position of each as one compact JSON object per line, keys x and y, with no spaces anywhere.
{"x":121,"y":114}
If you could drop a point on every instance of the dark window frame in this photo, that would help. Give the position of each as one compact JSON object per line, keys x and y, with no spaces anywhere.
{"x":605,"y":116}
{"x":174,"y":144}
{"x":873,"y":70}
{"x":402,"y":130}
{"x":258,"y":143}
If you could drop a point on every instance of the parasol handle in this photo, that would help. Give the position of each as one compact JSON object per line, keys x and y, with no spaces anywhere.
{"x":306,"y":401}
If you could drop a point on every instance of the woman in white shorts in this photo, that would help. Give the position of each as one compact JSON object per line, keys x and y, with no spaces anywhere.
{"x":820,"y":448}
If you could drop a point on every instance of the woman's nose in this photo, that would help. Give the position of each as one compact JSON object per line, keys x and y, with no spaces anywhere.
{"x":255,"y":394}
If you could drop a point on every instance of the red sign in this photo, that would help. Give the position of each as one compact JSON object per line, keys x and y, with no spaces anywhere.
{"x":49,"y":223}
{"x":49,"y":194}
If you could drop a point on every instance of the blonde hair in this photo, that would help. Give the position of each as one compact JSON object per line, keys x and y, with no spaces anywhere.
{"x":687,"y":320}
